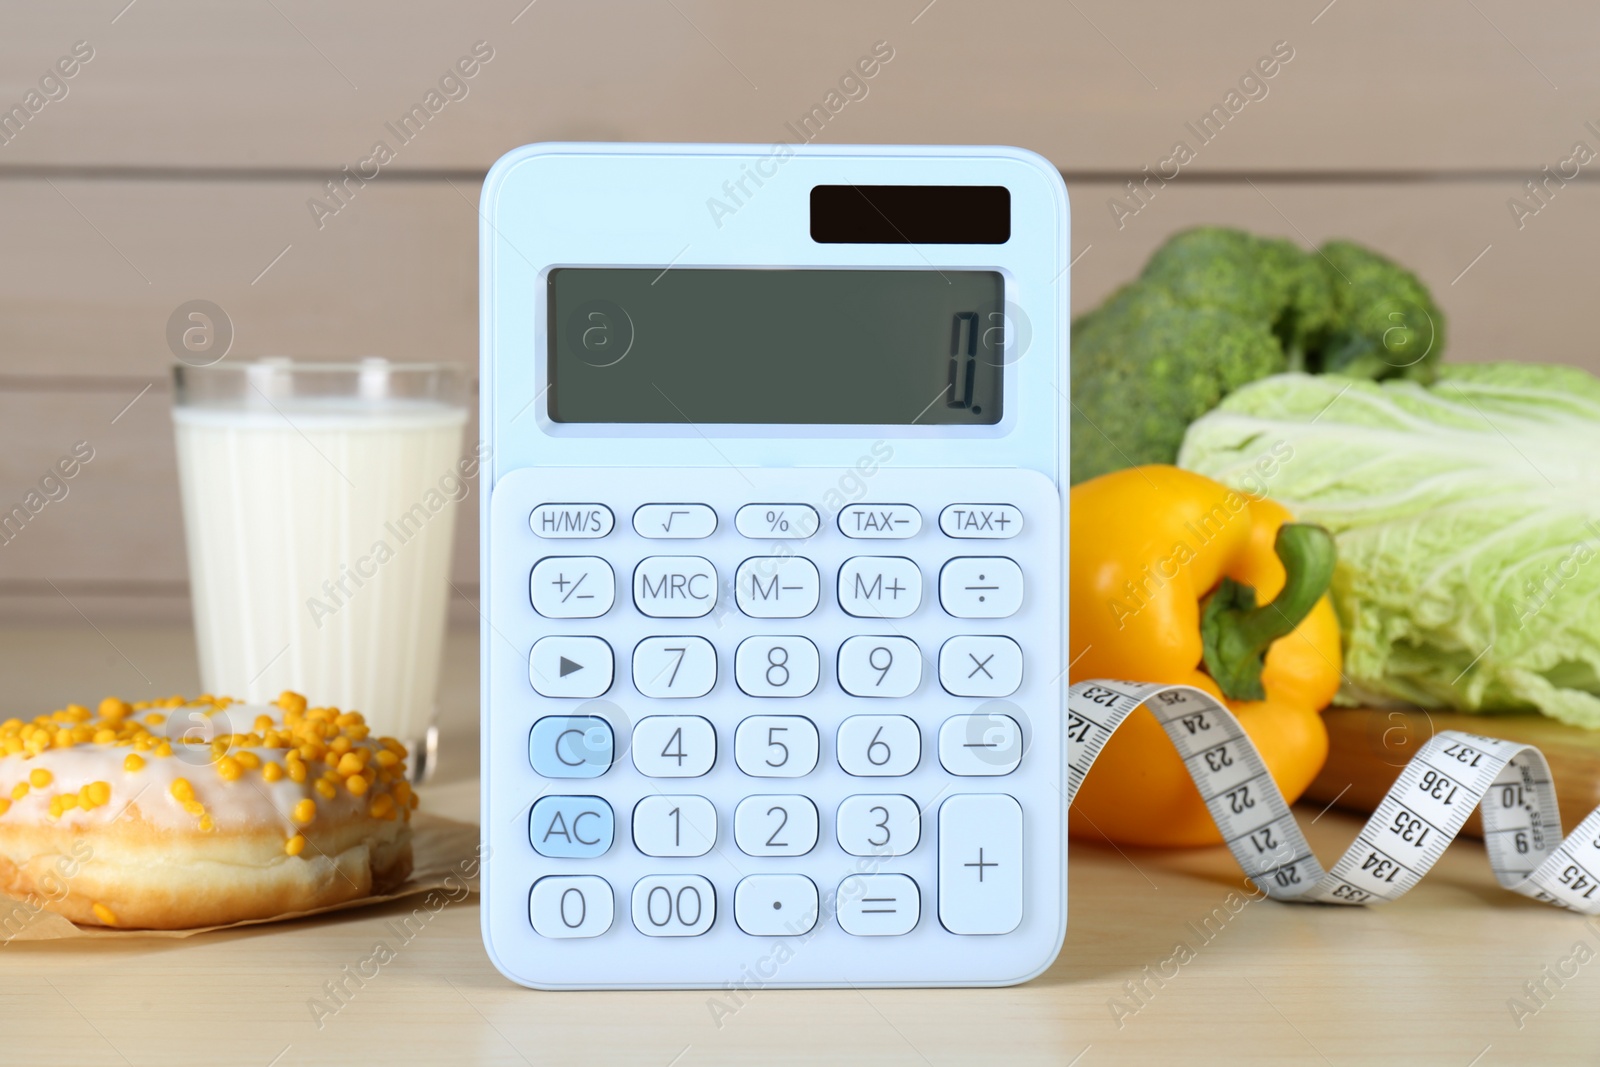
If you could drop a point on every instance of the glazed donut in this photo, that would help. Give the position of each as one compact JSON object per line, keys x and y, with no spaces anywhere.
{"x":174,"y":814}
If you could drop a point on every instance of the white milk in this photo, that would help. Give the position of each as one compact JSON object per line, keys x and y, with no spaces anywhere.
{"x":319,"y":552}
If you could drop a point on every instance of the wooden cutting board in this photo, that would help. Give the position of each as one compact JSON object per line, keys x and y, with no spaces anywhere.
{"x":1369,"y":746}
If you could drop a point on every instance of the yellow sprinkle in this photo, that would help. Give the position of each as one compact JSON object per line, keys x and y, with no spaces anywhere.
{"x":5,"y":805}
{"x":386,"y":759}
{"x":133,"y":762}
{"x":206,"y":825}
{"x":105,"y":736}
{"x":68,"y":801}
{"x":105,"y":915}
{"x":294,"y":846}
{"x":39,"y":777}
{"x":357,"y":785}
{"x":326,"y":788}
{"x":272,"y":772}
{"x":349,"y":764}
{"x":194,"y":807}
{"x":19,"y":790}
{"x":113,"y":709}
{"x":182,"y":790}
{"x":155,"y":718}
{"x":293,"y":703}
{"x":382,"y":807}
{"x":305,"y":811}
{"x":97,"y":793}
{"x":228,"y":769}
{"x":249,"y":760}
{"x":164,"y":749}
{"x":297,"y":770}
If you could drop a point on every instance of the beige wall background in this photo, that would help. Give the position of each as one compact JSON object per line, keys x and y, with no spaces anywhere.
{"x":179,"y":161}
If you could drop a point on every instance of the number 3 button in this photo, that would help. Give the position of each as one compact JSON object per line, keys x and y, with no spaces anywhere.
{"x":776,"y":746}
{"x":879,"y":745}
{"x":887,"y":825}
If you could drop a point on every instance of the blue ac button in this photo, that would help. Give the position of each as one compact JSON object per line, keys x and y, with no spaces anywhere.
{"x":577,"y":828}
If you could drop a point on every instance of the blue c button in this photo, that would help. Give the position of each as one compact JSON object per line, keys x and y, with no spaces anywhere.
{"x":571,"y":746}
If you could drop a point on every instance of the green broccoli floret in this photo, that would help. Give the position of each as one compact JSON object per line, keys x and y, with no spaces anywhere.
{"x":1386,"y":323}
{"x":1217,"y":308}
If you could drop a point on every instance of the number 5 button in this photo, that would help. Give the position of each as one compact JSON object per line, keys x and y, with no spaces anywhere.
{"x":879,"y":745}
{"x":776,"y":746}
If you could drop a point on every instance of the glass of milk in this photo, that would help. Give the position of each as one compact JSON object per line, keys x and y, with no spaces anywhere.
{"x":319,"y":503}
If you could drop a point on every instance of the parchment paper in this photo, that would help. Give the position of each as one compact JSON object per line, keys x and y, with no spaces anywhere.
{"x":444,"y":857}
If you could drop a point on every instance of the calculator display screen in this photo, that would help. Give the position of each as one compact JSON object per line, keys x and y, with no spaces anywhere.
{"x":703,"y":346}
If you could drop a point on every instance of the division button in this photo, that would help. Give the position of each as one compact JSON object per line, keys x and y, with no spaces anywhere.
{"x":573,"y":667}
{"x":775,"y":905}
{"x":571,"y":906}
{"x":980,"y":864}
{"x":880,"y":521}
{"x":981,"y":587}
{"x":980,"y":520}
{"x":674,"y":520}
{"x":571,"y":520}
{"x":878,"y":905}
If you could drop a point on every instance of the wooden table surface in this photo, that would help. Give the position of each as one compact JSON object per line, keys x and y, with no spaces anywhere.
{"x":1429,"y":980}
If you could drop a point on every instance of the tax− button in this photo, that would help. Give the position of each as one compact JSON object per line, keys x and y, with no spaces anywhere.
{"x":571,"y":746}
{"x":571,"y":827}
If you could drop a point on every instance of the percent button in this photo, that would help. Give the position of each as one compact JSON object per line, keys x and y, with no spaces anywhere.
{"x":777,"y":521}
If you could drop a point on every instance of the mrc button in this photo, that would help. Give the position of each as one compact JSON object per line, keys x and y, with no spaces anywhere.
{"x":980,"y":520}
{"x":571,"y":520}
{"x":675,"y":587}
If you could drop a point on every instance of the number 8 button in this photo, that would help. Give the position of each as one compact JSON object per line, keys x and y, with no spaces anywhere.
{"x":879,"y":745}
{"x":776,"y":666}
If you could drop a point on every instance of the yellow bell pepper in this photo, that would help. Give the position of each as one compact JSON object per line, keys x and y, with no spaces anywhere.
{"x":1167,"y":569}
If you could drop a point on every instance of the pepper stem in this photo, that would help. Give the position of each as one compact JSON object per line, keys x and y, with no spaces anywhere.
{"x":1235,"y":633}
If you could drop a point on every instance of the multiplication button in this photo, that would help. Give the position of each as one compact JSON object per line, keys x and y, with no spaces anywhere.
{"x":974,"y":666}
{"x":878,"y":905}
{"x":880,"y":521}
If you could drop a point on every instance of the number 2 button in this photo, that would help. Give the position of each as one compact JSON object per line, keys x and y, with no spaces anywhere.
{"x":775,"y":825}
{"x":674,"y":746}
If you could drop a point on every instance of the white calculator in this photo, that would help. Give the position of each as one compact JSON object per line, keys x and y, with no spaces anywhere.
{"x":773,"y":559}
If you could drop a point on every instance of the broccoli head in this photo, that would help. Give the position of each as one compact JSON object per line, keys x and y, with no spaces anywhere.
{"x":1217,"y":308}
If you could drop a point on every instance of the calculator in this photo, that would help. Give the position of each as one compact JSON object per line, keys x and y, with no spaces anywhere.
{"x":773,"y":550}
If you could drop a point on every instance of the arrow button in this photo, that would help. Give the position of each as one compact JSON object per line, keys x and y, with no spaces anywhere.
{"x":570,"y":667}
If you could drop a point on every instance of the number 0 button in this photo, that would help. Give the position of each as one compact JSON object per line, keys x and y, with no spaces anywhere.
{"x":674,"y":746}
{"x":879,"y":745}
{"x":577,"y":906}
{"x":666,"y":905}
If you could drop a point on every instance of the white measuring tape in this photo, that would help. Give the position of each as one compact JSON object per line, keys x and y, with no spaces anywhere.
{"x":1409,"y":831}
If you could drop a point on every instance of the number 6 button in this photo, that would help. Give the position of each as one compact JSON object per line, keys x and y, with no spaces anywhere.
{"x":776,"y":746}
{"x":879,"y":745}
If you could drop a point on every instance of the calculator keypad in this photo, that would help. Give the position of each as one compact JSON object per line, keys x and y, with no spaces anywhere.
{"x":833,"y":691}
